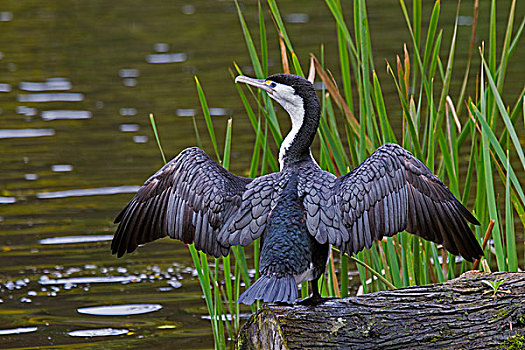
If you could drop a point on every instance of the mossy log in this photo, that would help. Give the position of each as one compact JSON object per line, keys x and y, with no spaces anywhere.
{"x":464,"y":313}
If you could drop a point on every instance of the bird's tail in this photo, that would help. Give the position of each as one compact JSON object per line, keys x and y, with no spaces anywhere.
{"x":271,"y":289}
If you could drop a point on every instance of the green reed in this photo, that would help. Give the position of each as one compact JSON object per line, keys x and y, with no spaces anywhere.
{"x":355,"y":121}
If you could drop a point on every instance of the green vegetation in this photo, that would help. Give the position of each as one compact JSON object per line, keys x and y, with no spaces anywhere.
{"x":494,"y":286}
{"x":514,"y":343}
{"x":435,"y":127}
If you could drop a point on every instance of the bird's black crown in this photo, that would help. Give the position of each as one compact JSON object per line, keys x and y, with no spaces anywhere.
{"x":299,"y":83}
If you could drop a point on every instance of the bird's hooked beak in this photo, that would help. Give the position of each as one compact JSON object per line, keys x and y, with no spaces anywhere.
{"x":258,"y":83}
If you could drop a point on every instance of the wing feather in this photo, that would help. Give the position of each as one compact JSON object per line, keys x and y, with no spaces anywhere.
{"x":191,"y":199}
{"x":392,"y":191}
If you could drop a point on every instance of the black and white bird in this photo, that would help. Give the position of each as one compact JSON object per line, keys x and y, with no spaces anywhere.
{"x":298,"y":212}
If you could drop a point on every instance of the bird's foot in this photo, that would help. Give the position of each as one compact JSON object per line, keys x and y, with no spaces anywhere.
{"x":314,"y":300}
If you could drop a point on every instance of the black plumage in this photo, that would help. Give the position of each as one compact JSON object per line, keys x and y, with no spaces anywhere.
{"x":298,"y":212}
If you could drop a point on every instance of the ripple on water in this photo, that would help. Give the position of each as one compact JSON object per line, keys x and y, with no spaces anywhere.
{"x":31,"y":177}
{"x":127,"y":111}
{"x":102,"y":191}
{"x":76,"y":239}
{"x":161,"y":47}
{"x":129,"y":127}
{"x":140,"y":139}
{"x":65,"y":114}
{"x":166,"y":58}
{"x":49,"y":85}
{"x":227,"y":317}
{"x":120,"y":310}
{"x":217,"y":112}
{"x":15,"y":133}
{"x":7,"y":200}
{"x":186,"y":112}
{"x":297,"y":18}
{"x":128,"y":73}
{"x":18,"y":330}
{"x":129,"y":82}
{"x":100,"y":332}
{"x":27,"y":111}
{"x":61,"y":168}
{"x":52,"y":97}
{"x":5,"y":88}
{"x":44,"y":280}
{"x":6,"y":16}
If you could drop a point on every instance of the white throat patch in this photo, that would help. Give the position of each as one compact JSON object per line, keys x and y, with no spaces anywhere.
{"x":294,"y":105}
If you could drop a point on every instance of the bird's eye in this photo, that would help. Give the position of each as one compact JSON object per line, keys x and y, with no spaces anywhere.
{"x":273,"y":84}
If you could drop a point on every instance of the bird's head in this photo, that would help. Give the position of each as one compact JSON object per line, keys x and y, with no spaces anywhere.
{"x":294,"y":93}
{"x":297,"y":96}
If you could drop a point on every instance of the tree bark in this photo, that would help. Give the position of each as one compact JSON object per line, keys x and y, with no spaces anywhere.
{"x":463,"y":313}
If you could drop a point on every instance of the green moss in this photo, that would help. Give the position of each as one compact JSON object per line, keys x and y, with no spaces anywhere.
{"x":514,"y":342}
{"x":502,"y":314}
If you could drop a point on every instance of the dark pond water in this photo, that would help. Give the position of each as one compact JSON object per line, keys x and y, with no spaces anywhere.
{"x":77,"y":81}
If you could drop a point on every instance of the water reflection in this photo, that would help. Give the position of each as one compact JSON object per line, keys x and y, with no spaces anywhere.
{"x":186,"y":112}
{"x":120,"y":310}
{"x":5,"y":88}
{"x":129,"y":82}
{"x":87,"y":280}
{"x":52,"y":97}
{"x":18,"y":330}
{"x":65,"y":114}
{"x":76,"y":239}
{"x":127,"y":111}
{"x":50,"y":84}
{"x":99,"y":332}
{"x":6,"y":16}
{"x":31,"y":177}
{"x":161,"y":47}
{"x":297,"y":18}
{"x":15,"y":133}
{"x":7,"y":200}
{"x":27,"y":111}
{"x":102,"y":191}
{"x":140,"y":139}
{"x":128,"y":73}
{"x":129,"y":127}
{"x":216,"y":112}
{"x":166,"y":58}
{"x":226,"y":317}
{"x":61,"y":168}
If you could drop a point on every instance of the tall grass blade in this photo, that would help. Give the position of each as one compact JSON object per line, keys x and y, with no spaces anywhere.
{"x":475,"y":17}
{"x":249,"y":44}
{"x":207,"y":118}
{"x":448,"y":75}
{"x":504,"y":115}
{"x":157,"y":138}
{"x":512,"y":255}
{"x":373,"y":272}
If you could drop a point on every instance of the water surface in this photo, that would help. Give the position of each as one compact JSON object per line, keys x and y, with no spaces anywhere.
{"x":77,"y":82}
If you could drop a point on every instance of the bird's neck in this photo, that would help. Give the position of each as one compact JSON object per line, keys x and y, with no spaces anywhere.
{"x":296,"y":145}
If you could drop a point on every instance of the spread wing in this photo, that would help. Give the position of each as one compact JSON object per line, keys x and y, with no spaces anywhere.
{"x":191,"y":199}
{"x":258,"y":200}
{"x":392,"y":191}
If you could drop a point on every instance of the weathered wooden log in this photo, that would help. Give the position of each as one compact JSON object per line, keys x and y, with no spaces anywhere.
{"x":464,"y":313}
